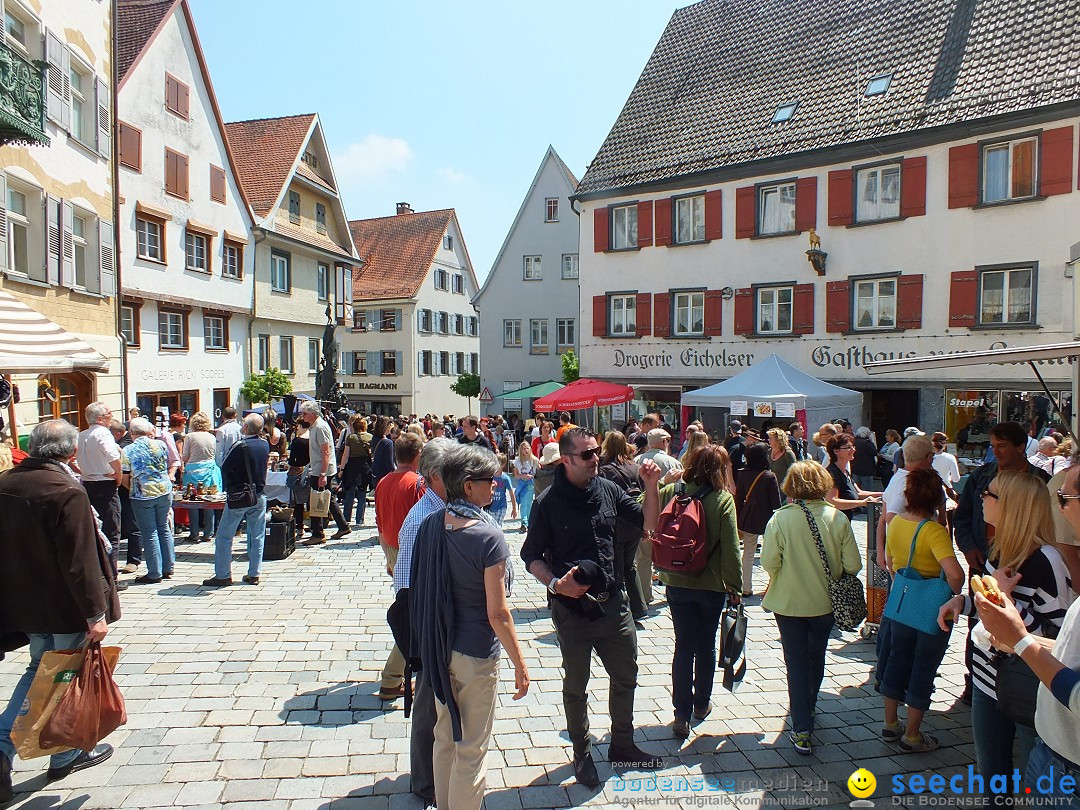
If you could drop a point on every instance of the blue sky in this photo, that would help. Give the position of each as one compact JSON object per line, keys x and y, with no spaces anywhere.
{"x":442,"y":105}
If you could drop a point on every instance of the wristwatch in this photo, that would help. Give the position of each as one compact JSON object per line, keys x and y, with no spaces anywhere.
{"x":552,"y":584}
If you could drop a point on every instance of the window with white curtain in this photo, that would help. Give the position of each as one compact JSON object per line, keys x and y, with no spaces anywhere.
{"x":1005,"y":295}
{"x":1009,"y":170}
{"x":690,"y":313}
{"x":690,"y":219}
{"x":624,"y":227}
{"x":776,"y":209}
{"x":774,"y":309}
{"x":875,"y":303}
{"x":878,"y":195}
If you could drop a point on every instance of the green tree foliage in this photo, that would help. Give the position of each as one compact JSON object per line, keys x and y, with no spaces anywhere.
{"x":570,"y":367}
{"x":468,"y":386}
{"x":265,"y":388}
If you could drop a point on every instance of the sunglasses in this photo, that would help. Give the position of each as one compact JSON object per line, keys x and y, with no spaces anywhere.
{"x":1064,"y":499}
{"x":988,"y":494}
{"x":586,"y":455}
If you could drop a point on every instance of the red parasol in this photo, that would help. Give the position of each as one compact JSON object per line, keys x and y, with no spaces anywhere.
{"x":582,"y":394}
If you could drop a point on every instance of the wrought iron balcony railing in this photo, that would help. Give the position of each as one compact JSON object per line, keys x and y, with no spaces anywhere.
{"x":22,"y":99}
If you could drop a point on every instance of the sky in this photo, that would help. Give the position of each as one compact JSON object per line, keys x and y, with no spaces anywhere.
{"x":441,"y":105}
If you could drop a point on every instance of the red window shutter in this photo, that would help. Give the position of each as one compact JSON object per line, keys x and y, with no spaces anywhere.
{"x":644,"y":314}
{"x":802,"y":322}
{"x":909,"y":302}
{"x":714,"y":300}
{"x":182,"y":99}
{"x":644,"y":224}
{"x":913,"y":187}
{"x":713,"y":226}
{"x":599,"y":315}
{"x":964,"y":176}
{"x":745,"y":212}
{"x":744,"y":311}
{"x":963,"y":294}
{"x":663,"y":222}
{"x":170,"y":172}
{"x":182,"y":176}
{"x":217,"y":184}
{"x":1056,"y":164}
{"x":805,"y":203}
{"x":838,"y":306}
{"x":840,"y":197}
{"x":662,"y":314}
{"x":600,"y":230}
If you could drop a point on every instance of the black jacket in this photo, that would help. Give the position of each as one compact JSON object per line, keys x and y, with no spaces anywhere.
{"x":969,"y":523}
{"x":234,"y":470}
{"x":754,"y":507}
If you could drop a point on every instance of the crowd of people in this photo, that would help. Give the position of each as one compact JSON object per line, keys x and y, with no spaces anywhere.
{"x":589,"y":509}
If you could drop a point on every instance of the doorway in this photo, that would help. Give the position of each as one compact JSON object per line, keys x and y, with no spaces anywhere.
{"x":894,"y":409}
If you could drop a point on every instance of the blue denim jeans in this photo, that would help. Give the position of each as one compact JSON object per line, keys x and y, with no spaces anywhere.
{"x":908,"y":660}
{"x":804,"y":639}
{"x":152,"y":515}
{"x":523,"y":491}
{"x":1040,"y":763}
{"x":256,"y":538}
{"x":355,"y":493}
{"x":695,"y":615}
{"x":39,"y":645}
{"x":994,"y":734}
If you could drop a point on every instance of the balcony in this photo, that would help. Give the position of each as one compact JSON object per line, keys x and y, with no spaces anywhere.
{"x":22,"y":100}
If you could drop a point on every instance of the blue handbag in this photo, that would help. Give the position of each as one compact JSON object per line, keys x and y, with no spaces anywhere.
{"x":915,"y":601}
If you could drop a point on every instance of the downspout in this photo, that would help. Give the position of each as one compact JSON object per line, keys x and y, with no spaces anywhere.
{"x":258,"y":234}
{"x":118,"y":301}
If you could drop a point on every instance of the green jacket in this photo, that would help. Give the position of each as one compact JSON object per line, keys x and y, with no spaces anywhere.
{"x":723,"y":572}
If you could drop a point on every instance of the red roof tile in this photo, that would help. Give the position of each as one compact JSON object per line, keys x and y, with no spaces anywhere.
{"x":305,"y":171}
{"x":136,"y":22}
{"x":265,"y":151}
{"x":397,"y":251}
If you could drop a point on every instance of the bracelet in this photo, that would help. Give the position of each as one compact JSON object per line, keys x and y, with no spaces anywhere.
{"x":1023,"y":644}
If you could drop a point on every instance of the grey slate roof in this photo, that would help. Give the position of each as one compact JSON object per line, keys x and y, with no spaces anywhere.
{"x":707,"y":95}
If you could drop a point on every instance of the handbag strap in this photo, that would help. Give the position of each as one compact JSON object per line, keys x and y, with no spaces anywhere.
{"x":914,"y":537}
{"x":817,"y":538}
{"x":754,"y":484}
{"x":247,"y":462}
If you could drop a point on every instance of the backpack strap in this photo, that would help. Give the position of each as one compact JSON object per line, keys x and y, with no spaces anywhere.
{"x":754,"y":484}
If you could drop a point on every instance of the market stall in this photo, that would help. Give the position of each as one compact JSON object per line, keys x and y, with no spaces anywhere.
{"x":583,"y":395}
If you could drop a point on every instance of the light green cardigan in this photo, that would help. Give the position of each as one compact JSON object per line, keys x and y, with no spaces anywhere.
{"x":723,"y":571}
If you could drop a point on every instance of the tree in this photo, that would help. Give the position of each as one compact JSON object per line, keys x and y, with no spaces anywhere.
{"x":468,"y":386}
{"x":266,"y":387}
{"x":570,"y":367}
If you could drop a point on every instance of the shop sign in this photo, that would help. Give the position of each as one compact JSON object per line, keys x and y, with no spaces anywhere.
{"x":182,"y":374}
{"x":688,"y":358}
{"x":763,"y":410}
{"x":369,"y":386}
{"x":738,"y":407}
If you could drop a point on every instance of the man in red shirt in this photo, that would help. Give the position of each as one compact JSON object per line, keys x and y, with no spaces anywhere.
{"x":395,"y":495}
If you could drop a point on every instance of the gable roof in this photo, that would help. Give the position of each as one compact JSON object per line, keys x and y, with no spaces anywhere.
{"x":266,"y":150}
{"x":706,"y":98}
{"x":137,"y":22}
{"x":398,"y":251}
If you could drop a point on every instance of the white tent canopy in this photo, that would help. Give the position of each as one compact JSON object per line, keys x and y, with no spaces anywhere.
{"x":776,"y":380}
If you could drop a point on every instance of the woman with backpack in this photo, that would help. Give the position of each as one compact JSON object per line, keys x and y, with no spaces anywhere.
{"x":697,"y":601}
{"x":757,"y":496}
{"x":356,"y":462}
{"x":617,"y":464}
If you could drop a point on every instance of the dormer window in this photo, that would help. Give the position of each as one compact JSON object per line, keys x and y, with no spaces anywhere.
{"x":879,"y":85}
{"x":784,"y":112}
{"x":310,"y":160}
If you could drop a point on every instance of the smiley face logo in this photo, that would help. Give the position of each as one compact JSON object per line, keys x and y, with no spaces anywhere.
{"x":861,"y":783}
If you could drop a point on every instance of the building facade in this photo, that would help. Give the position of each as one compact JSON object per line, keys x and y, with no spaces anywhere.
{"x":186,"y":246}
{"x":304,"y":260}
{"x":56,"y":203}
{"x":925,"y":208}
{"x":415,"y":329}
{"x":531,"y":293}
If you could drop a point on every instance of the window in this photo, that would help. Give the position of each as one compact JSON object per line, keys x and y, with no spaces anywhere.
{"x":16,"y":32}
{"x":1005,"y":295}
{"x":459,"y":283}
{"x":442,"y":281}
{"x":690,"y":219}
{"x":459,"y":363}
{"x":197,"y":251}
{"x":294,"y":207}
{"x":1009,"y":170}
{"x":130,"y":146}
{"x":18,"y":232}
{"x":538,"y":336}
{"x":324,"y":281}
{"x":875,"y":303}
{"x":176,"y":174}
{"x":310,"y":160}
{"x":25,"y":232}
{"x":285,"y":349}
{"x":176,"y":96}
{"x":624,"y":227}
{"x":82,"y":104}
{"x":149,"y":235}
{"x":425,"y":364}
{"x":474,"y":363}
{"x":690,"y":313}
{"x":129,"y":324}
{"x":313,"y":355}
{"x":442,"y":323}
{"x":359,"y":363}
{"x":457,"y":324}
{"x":359,"y":320}
{"x":878,"y":195}
{"x":232,"y":260}
{"x":217,"y":184}
{"x":423,"y":323}
{"x":879,"y":85}
{"x":389,"y":363}
{"x":172,"y":329}
{"x":565,"y":334}
{"x":784,"y":112}
{"x":551,"y":209}
{"x":264,"y":352}
{"x":474,"y":326}
{"x":280,"y":272}
{"x":214,"y":332}
{"x":623,"y":317}
{"x":776,"y":209}
{"x":320,"y":217}
{"x":79,"y":232}
{"x":532,"y":268}
{"x":569,"y":265}
{"x":447,"y":242}
{"x":512,"y":333}
{"x":388,"y":320}
{"x":774,"y":310}
{"x":444,"y":363}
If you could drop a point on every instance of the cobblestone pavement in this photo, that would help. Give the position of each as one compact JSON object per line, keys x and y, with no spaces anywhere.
{"x":265,"y":697}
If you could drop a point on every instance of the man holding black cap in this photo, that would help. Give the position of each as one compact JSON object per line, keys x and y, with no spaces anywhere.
{"x":570,"y":549}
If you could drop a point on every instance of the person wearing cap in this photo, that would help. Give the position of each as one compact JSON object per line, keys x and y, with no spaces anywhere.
{"x":545,"y":473}
{"x":898,"y":456}
{"x":659,"y":442}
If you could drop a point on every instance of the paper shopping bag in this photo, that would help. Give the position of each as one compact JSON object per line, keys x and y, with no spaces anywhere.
{"x":91,"y":709}
{"x":319,"y":503}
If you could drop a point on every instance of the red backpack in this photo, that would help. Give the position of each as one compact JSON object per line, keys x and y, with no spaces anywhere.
{"x":680,"y":543}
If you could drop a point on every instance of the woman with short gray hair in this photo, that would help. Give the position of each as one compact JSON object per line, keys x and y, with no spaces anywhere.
{"x":145,"y":463}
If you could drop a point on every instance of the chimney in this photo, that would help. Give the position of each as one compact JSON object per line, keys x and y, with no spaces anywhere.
{"x":404,"y":208}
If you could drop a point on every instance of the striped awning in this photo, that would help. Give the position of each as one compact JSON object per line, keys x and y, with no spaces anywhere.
{"x":32,"y":344}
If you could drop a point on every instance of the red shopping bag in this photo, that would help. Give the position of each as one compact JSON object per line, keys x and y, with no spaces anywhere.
{"x":91,"y":709}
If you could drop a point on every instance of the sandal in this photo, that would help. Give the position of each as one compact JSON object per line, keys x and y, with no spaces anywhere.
{"x":893,"y":734}
{"x":925,"y":743}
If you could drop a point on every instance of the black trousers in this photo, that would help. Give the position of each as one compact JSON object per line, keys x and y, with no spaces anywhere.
{"x":106,"y":502}
{"x":129,"y":528}
{"x":422,"y":742}
{"x":335,"y":512}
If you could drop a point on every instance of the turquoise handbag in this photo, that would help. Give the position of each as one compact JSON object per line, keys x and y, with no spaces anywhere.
{"x":915,"y":601}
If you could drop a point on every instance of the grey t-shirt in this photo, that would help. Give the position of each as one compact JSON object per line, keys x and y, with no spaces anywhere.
{"x":319,"y":435}
{"x":468,"y":552}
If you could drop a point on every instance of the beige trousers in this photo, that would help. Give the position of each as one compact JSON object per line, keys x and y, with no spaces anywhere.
{"x":393,"y":673}
{"x":460,"y":773}
{"x":644,"y":569}
{"x":749,"y":549}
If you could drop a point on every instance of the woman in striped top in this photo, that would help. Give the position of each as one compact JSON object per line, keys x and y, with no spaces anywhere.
{"x":1029,"y":569}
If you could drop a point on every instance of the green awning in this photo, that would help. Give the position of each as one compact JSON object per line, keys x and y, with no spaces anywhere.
{"x":533,"y":391}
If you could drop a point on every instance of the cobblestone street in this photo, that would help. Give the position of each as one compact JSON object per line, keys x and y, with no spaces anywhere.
{"x":266,"y":697}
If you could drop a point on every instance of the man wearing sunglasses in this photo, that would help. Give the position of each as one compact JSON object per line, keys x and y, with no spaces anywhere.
{"x":570,"y":549}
